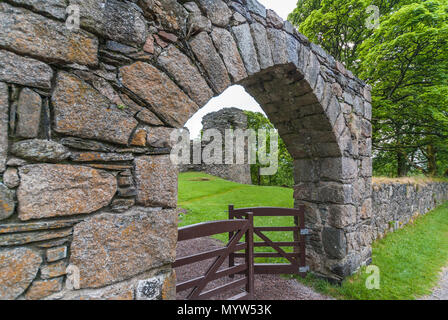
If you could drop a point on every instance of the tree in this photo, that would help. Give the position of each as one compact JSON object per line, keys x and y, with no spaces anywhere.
{"x":303,"y":10}
{"x":405,"y":60}
{"x":285,"y":173}
{"x":337,"y":25}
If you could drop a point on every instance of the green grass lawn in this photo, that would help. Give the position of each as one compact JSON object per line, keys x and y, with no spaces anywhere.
{"x":207,"y":199}
{"x":409,"y":259}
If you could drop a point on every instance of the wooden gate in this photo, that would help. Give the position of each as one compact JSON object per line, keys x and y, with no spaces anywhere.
{"x":239,"y":225}
{"x":296,"y":258}
{"x":238,"y":228}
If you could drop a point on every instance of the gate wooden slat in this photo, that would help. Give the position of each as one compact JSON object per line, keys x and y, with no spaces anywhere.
{"x":302,"y":242}
{"x":279,"y":244}
{"x":296,"y":236}
{"x":250,"y":285}
{"x":207,"y":229}
{"x":205,"y":256}
{"x":223,"y":273}
{"x":223,"y":288}
{"x":277,"y":268}
{"x":278,"y":228}
{"x":266,"y":255}
{"x":275,"y":246}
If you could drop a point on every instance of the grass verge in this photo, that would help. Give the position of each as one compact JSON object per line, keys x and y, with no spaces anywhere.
{"x":409,"y":260}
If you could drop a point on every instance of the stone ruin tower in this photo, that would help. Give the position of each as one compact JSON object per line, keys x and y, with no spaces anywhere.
{"x":228,"y":118}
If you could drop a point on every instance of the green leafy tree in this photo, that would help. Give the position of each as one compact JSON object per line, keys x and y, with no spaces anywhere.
{"x":405,"y":60}
{"x":303,"y":10}
{"x":285,"y":173}
{"x":337,"y":25}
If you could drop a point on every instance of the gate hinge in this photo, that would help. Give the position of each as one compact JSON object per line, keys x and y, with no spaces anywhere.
{"x":304,"y":269}
{"x":304,"y":232}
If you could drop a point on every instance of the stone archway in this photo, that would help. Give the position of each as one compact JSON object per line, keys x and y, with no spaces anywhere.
{"x":319,"y":108}
{"x":114,"y":91}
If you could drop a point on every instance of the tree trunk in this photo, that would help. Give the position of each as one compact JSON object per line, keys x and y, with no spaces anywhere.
{"x":432,"y":160}
{"x":402,"y":167}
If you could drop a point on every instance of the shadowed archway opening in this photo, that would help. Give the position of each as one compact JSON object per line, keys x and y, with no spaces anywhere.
{"x":325,"y":171}
{"x":320,"y":109}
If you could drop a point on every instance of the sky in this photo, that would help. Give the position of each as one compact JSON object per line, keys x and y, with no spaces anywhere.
{"x":236,"y":96}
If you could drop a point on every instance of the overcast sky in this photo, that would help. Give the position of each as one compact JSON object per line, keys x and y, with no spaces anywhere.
{"x":236,"y":96}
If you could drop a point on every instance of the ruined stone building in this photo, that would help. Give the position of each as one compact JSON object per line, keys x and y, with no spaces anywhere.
{"x":228,"y":118}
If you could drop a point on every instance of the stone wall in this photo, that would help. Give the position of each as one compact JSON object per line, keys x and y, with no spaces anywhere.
{"x":88,"y":188}
{"x":227,"y":118}
{"x":396,"y":203}
{"x":86,"y":176}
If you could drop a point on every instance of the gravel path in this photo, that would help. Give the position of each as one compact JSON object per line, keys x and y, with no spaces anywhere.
{"x":267,"y":287}
{"x":440,"y":292}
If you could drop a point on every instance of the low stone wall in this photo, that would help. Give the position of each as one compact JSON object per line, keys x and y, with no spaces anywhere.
{"x":233,"y":172}
{"x":397,"y":202}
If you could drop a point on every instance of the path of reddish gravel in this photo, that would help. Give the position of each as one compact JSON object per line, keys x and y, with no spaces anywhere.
{"x":267,"y":287}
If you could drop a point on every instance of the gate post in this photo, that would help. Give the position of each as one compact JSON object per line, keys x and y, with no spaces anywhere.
{"x":302,"y":262}
{"x":231,"y":255}
{"x":250,"y":255}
